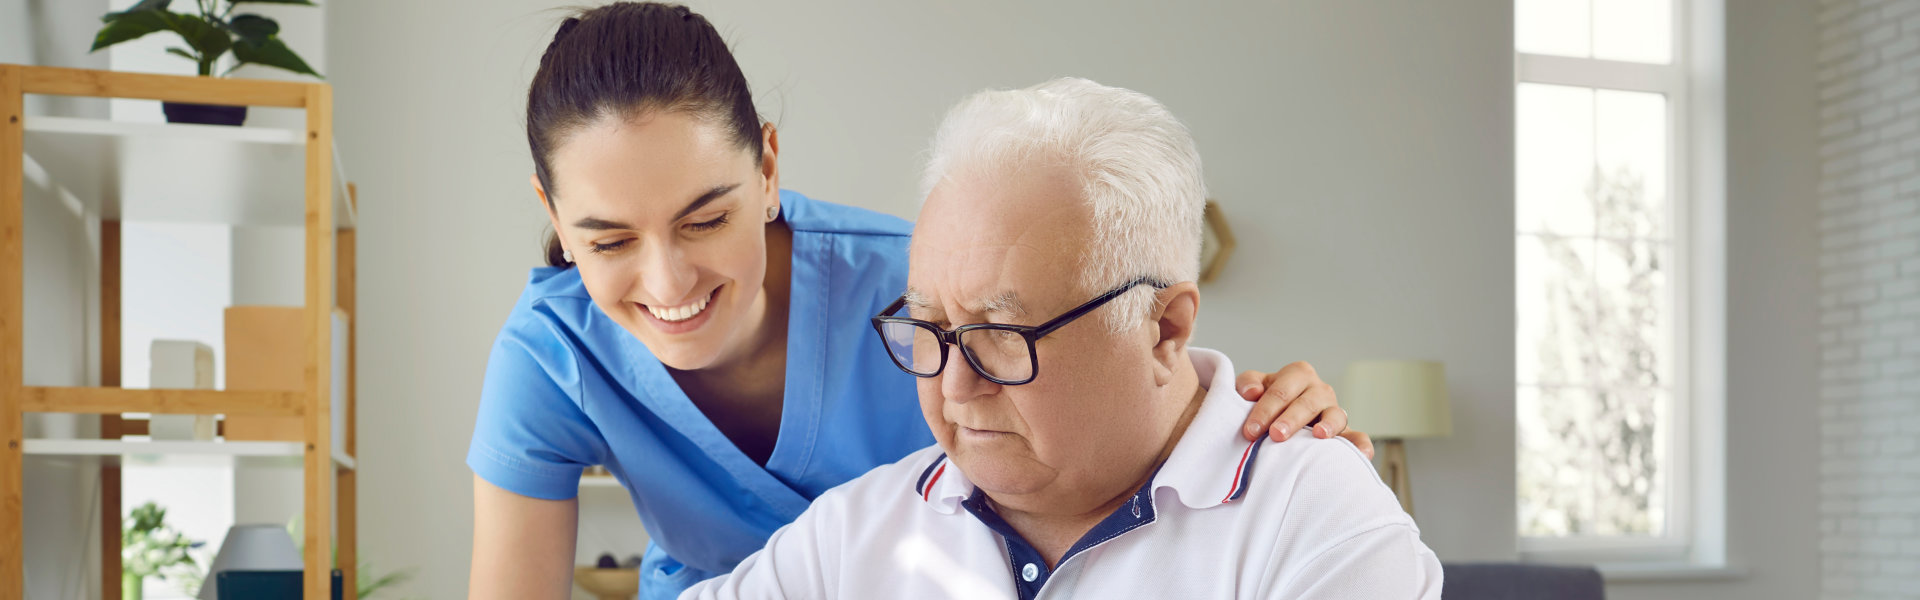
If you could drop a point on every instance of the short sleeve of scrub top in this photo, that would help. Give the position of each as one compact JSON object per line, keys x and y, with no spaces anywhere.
{"x":566,"y":388}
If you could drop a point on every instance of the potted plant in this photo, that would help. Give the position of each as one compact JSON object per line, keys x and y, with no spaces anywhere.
{"x":148,"y":546}
{"x":209,"y":34}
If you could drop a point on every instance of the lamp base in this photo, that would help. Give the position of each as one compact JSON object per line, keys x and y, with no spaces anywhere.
{"x":1393,"y":470}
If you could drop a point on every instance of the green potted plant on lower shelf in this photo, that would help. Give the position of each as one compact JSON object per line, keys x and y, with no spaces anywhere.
{"x":210,"y":32}
{"x":150,"y":547}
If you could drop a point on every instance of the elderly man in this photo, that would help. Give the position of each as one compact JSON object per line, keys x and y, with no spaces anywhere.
{"x":1084,"y":448}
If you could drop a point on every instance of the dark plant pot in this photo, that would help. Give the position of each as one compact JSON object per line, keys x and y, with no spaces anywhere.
{"x":204,"y":114}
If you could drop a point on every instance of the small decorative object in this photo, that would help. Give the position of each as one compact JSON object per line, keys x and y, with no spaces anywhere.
{"x":209,"y":32}
{"x":180,"y":365}
{"x":1216,"y":243}
{"x":252,"y":548}
{"x":1395,"y":400}
{"x":608,"y":584}
{"x":150,"y":547}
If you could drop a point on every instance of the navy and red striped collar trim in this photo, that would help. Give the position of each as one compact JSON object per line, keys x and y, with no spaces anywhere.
{"x":931,"y":476}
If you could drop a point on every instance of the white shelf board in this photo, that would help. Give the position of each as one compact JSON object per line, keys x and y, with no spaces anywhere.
{"x":151,"y":448}
{"x":181,"y":173}
{"x":599,"y":481}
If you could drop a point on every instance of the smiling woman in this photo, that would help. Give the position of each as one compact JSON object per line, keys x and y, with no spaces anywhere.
{"x":698,"y":331}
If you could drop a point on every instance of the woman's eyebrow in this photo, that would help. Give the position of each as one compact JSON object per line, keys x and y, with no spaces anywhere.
{"x":705,"y":199}
{"x":599,"y":224}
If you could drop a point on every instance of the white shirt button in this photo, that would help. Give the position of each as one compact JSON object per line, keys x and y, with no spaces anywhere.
{"x":1029,"y":572}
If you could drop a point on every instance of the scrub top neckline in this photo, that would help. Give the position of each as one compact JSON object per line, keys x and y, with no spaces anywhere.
{"x":790,"y":455}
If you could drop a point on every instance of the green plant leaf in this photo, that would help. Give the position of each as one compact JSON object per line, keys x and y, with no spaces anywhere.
{"x":183,"y":53}
{"x":205,"y":38}
{"x":142,"y":5}
{"x":273,"y":53}
{"x":132,"y":24}
{"x":299,"y":2}
{"x":254,"y":27}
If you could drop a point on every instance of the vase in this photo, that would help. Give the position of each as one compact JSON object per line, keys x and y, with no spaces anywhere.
{"x":131,"y":586}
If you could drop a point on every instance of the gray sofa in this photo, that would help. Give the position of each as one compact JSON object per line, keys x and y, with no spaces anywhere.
{"x":1516,"y":581}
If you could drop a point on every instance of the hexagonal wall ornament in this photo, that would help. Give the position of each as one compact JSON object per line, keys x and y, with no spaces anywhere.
{"x":1216,"y":243}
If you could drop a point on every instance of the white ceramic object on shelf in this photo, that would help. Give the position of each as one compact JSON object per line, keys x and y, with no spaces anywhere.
{"x":255,"y":547}
{"x":176,"y":365}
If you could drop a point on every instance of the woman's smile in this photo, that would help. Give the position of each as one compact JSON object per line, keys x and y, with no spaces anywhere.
{"x":683,"y":318}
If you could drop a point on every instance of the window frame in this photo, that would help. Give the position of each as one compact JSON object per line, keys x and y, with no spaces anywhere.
{"x":1691,"y":82}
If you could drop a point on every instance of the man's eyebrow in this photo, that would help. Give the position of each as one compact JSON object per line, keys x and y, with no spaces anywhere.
{"x":705,"y":199}
{"x":599,"y":224}
{"x":915,"y":299}
{"x":1006,"y":303}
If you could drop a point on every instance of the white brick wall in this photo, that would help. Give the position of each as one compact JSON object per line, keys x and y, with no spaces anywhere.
{"x":1869,"y":78}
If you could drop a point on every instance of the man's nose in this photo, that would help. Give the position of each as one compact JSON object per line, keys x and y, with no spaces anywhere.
{"x":960,"y":383}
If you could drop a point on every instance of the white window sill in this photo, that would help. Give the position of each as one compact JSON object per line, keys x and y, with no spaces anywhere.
{"x":1667,"y":571}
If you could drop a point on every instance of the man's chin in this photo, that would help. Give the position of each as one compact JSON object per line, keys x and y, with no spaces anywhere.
{"x":1002,"y":474}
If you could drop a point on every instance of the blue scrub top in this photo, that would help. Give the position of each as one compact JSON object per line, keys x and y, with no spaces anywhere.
{"x":567,"y":387}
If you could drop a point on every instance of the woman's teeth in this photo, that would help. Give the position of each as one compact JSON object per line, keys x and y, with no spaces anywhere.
{"x":682,"y":312}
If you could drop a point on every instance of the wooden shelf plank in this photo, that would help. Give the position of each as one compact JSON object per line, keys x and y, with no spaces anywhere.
{"x":120,"y":448}
{"x":156,"y":171}
{"x":58,"y":81}
{"x":101,"y":400}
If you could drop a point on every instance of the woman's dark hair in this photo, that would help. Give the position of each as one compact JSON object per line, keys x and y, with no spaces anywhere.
{"x":625,"y":58}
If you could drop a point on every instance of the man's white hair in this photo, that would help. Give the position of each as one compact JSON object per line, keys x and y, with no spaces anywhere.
{"x":1137,"y":164}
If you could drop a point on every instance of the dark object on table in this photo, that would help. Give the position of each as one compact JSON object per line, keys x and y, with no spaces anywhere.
{"x":1503,"y":581}
{"x":606,"y":561}
{"x":632,"y":562}
{"x":266,"y":585}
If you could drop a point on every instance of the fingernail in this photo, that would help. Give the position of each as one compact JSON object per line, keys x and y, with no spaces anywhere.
{"x":1322,"y":432}
{"x":1280,"y":429}
{"x":1253,"y":429}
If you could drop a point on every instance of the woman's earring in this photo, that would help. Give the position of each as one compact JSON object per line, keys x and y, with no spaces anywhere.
{"x":566,"y":255}
{"x":773,"y":212}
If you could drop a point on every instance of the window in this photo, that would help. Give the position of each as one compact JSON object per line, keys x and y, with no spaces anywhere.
{"x":1602,"y":267}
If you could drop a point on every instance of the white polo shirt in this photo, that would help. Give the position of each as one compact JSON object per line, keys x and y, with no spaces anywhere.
{"x":1312,"y":521}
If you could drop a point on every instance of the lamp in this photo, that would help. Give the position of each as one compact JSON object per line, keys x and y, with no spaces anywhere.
{"x":1395,"y":400}
{"x":252,"y":548}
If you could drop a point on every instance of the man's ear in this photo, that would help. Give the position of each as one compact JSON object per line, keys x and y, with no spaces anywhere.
{"x":1175,"y":310}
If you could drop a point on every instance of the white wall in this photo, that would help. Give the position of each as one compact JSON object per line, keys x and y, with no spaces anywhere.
{"x":1362,"y":149}
{"x":1870,"y":286}
{"x":1772,"y":308}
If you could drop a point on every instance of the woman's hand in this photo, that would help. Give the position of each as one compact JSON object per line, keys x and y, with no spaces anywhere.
{"x":1291,"y":398}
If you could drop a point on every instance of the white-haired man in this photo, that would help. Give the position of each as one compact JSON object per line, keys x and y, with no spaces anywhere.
{"x":1083,"y":447}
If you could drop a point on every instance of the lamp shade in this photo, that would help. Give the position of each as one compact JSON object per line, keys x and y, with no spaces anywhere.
{"x":1397,"y":399}
{"x":252,"y":548}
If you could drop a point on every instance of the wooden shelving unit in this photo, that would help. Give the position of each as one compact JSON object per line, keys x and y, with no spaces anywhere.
{"x":94,"y":159}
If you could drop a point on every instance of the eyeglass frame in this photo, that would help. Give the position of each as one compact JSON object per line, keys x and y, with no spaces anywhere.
{"x":951,"y":337}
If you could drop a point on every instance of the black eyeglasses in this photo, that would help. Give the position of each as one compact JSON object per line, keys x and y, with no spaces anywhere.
{"x":1001,"y":353}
